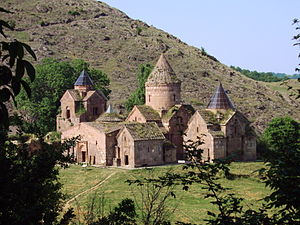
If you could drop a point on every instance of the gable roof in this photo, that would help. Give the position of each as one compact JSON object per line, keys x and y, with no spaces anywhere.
{"x":148,"y":112}
{"x":74,"y":94}
{"x":220,"y":100}
{"x":144,"y":131}
{"x":110,"y":117}
{"x":163,"y":72}
{"x":239,"y":115}
{"x":84,"y":79}
{"x":173,"y":110}
{"x":105,"y":127}
{"x":218,"y":117}
{"x":91,"y":93}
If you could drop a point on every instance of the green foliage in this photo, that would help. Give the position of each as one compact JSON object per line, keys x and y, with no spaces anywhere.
{"x":204,"y":53}
{"x":296,"y":38}
{"x":123,"y":214}
{"x":154,"y":200}
{"x":12,"y":73}
{"x":54,"y":77}
{"x":139,"y":30}
{"x":74,"y":13}
{"x":282,"y":174}
{"x":30,"y":189}
{"x":80,"y":109}
{"x":260,"y":76}
{"x":138,"y":96}
{"x":297,"y":43}
{"x":53,"y":136}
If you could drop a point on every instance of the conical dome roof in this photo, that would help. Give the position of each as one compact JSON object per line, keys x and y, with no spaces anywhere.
{"x":220,"y":100}
{"x":84,"y":79}
{"x":162,"y":72}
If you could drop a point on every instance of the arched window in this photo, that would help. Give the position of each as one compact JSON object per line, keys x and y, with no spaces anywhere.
{"x":149,"y":98}
{"x":68,"y":112}
{"x":174,"y":97}
{"x":95,"y":111}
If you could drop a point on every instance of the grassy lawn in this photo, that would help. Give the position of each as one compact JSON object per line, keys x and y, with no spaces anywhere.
{"x":190,"y":205}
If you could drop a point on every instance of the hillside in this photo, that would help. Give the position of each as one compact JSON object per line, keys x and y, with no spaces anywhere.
{"x":109,"y":40}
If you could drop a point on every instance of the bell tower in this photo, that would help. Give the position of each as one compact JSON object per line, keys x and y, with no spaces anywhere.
{"x":83,"y":83}
{"x":163,"y":88}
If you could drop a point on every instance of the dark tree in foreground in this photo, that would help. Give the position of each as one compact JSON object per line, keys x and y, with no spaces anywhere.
{"x":282,"y":173}
{"x":30,"y":189}
{"x":29,"y":186}
{"x":12,"y":71}
{"x":123,"y":214}
{"x":297,"y":38}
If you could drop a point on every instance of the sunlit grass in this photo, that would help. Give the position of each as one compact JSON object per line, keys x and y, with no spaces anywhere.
{"x":190,"y":205}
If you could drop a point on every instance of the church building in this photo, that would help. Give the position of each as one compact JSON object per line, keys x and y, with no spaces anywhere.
{"x":154,"y":133}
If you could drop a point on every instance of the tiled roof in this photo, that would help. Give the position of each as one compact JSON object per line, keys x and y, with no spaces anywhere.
{"x":216,"y":118}
{"x":105,"y":127}
{"x":144,"y":131}
{"x":208,"y":116}
{"x":90,"y":93}
{"x":162,"y":73}
{"x":148,"y":112}
{"x":75,"y":94}
{"x":110,"y":117}
{"x":171,"y":112}
{"x":220,"y":100}
{"x":83,"y":79}
{"x":217,"y":133}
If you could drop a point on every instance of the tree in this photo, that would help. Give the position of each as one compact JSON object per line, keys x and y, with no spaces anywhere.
{"x":153,"y":200}
{"x":297,"y":43}
{"x":123,"y":214}
{"x":282,"y":174}
{"x":29,"y":187}
{"x":138,"y":96}
{"x":54,"y":78}
{"x":12,"y":71}
{"x":261,"y":76}
{"x":297,"y":38}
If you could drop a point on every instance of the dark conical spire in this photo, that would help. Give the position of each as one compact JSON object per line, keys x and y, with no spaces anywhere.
{"x":84,"y":79}
{"x":220,"y":100}
{"x":162,"y":72}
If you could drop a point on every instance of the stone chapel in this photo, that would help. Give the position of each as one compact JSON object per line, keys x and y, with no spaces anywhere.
{"x":154,"y":133}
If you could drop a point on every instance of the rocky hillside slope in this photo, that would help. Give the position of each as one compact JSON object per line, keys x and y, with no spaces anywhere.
{"x":109,"y":40}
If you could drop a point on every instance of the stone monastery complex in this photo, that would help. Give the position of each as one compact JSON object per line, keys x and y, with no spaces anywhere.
{"x":154,"y":133}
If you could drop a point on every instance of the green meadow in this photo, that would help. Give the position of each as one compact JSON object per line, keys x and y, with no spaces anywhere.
{"x":190,"y":206}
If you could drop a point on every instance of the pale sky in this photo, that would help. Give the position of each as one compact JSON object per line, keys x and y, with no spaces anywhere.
{"x":252,"y":34}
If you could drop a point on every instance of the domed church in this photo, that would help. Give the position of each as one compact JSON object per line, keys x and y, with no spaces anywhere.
{"x":154,"y":133}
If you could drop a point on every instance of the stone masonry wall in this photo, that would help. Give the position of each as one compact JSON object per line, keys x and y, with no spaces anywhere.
{"x":162,"y":97}
{"x":197,"y":127}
